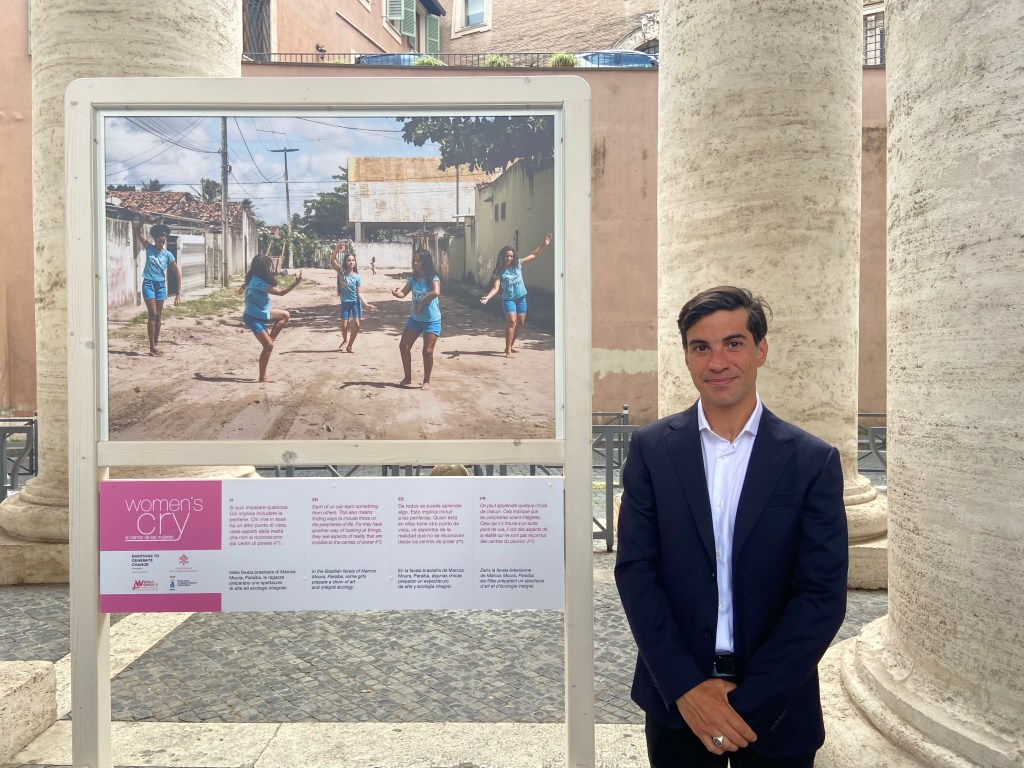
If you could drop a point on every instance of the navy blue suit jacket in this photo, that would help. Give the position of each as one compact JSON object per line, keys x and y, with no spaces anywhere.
{"x":789,"y":575}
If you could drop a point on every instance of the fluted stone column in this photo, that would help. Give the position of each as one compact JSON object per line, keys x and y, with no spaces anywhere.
{"x":759,"y":186}
{"x":93,"y":38}
{"x":940,"y":682}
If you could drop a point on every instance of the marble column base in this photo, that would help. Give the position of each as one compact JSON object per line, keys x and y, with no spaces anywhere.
{"x":39,"y":512}
{"x":884,"y":711}
{"x":869,"y":564}
{"x":868,"y":524}
{"x":28,"y":703}
{"x":32,"y":562}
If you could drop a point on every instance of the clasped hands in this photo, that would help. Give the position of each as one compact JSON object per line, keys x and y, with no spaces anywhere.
{"x":706,"y":709}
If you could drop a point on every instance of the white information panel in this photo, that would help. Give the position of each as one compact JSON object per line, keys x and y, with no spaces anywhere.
{"x":331,"y":544}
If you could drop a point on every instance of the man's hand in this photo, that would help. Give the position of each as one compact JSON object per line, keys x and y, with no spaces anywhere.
{"x":707,"y":711}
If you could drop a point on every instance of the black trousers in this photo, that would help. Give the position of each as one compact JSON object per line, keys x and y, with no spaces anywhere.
{"x":667,"y":748}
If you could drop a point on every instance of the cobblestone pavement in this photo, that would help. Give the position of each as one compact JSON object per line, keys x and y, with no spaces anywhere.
{"x":367,"y":666}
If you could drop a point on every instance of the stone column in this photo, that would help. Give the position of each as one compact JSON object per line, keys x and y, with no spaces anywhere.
{"x":759,"y":186}
{"x":93,"y":38}
{"x":940,"y":682}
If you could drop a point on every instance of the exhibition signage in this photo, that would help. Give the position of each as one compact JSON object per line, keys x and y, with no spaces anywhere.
{"x":331,"y":544}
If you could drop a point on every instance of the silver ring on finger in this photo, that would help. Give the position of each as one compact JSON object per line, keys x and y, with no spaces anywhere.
{"x":718,"y":740}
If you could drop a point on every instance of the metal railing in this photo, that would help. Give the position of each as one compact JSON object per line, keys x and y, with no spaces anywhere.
{"x":609,"y":446}
{"x":871,"y":434}
{"x":19,"y":451}
{"x":520,"y":60}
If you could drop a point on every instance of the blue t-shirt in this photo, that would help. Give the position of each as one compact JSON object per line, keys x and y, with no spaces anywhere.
{"x":347,"y":285}
{"x":420,"y":288}
{"x":156,"y":263}
{"x":257,"y":300}
{"x":512,"y":286}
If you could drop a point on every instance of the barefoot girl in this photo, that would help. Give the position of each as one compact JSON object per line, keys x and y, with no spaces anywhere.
{"x":154,"y":279}
{"x":425,"y":317}
{"x":508,"y":277}
{"x":265,"y":323}
{"x":352,"y":302}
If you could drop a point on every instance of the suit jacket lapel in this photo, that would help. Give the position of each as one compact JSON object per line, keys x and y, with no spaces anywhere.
{"x":683,"y":443}
{"x":769,"y":455}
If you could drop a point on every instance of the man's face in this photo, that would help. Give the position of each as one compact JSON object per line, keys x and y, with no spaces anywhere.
{"x":160,"y":241}
{"x":723,"y":360}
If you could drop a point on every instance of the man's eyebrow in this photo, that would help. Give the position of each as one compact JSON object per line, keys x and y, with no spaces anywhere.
{"x":731,"y":337}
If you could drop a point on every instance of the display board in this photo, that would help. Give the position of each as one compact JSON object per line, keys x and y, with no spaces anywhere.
{"x":508,"y":555}
{"x":325,"y":544}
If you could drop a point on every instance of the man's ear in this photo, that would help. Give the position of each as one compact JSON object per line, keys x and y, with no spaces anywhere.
{"x":762,"y":351}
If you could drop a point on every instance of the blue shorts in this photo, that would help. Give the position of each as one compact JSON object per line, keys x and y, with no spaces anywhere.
{"x":424,"y":326}
{"x":515,"y":306}
{"x":255,"y":324}
{"x":154,"y":289}
{"x":351,"y":309}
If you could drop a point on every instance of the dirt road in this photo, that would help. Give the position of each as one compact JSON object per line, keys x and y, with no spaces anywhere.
{"x":204,"y":385}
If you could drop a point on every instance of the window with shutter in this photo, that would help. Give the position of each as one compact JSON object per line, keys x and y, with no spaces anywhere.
{"x":408,"y":25}
{"x":433,"y":35}
{"x":394,"y":10}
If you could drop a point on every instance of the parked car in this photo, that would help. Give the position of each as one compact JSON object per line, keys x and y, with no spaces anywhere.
{"x":616,"y":58}
{"x":393,"y":59}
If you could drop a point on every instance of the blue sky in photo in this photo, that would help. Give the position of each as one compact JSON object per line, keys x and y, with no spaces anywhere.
{"x":182,"y":150}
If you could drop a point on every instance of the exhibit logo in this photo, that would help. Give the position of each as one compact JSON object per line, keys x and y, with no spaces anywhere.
{"x":153,"y":515}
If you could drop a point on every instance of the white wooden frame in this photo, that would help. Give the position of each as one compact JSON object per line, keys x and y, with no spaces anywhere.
{"x":90,"y":454}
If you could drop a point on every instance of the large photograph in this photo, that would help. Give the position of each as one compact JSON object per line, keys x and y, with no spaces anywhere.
{"x":287,"y":276}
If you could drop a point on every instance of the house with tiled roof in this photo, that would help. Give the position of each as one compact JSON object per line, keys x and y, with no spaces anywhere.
{"x":196,"y":240}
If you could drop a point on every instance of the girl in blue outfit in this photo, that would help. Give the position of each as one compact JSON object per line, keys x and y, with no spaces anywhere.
{"x":352,"y":302}
{"x":154,"y":279}
{"x":425,"y":317}
{"x":508,"y":277}
{"x":265,"y":323}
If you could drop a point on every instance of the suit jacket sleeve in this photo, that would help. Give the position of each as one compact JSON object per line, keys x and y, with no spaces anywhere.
{"x":787,"y":658}
{"x":661,"y":642}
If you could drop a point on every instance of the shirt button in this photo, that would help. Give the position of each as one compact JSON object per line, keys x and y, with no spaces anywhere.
{"x":720,"y":504}
{"x":718,"y":553}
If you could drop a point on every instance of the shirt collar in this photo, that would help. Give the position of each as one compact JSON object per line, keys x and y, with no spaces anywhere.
{"x":749,"y":428}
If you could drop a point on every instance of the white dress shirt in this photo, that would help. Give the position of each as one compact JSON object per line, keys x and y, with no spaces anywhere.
{"x":725,"y":467}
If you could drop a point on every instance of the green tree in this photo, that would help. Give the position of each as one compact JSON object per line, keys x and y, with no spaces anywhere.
{"x":326,"y":215}
{"x":121,"y":188}
{"x":486,"y":143}
{"x":153,"y":185}
{"x":209,"y":190}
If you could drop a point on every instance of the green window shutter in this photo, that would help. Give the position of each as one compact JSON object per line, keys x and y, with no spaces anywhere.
{"x":408,"y":27}
{"x":395,"y":10}
{"x":433,"y":35}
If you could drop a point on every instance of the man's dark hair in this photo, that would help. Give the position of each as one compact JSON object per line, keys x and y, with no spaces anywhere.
{"x":728,"y":298}
{"x":160,"y":230}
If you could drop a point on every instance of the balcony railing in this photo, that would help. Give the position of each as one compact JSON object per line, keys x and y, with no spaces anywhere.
{"x":470,"y":60}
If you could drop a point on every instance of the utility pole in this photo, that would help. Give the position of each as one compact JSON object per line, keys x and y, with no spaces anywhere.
{"x":224,"y":170}
{"x":287,"y":197}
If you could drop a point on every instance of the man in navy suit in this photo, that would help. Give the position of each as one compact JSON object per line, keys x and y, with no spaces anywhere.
{"x":732,"y":558}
